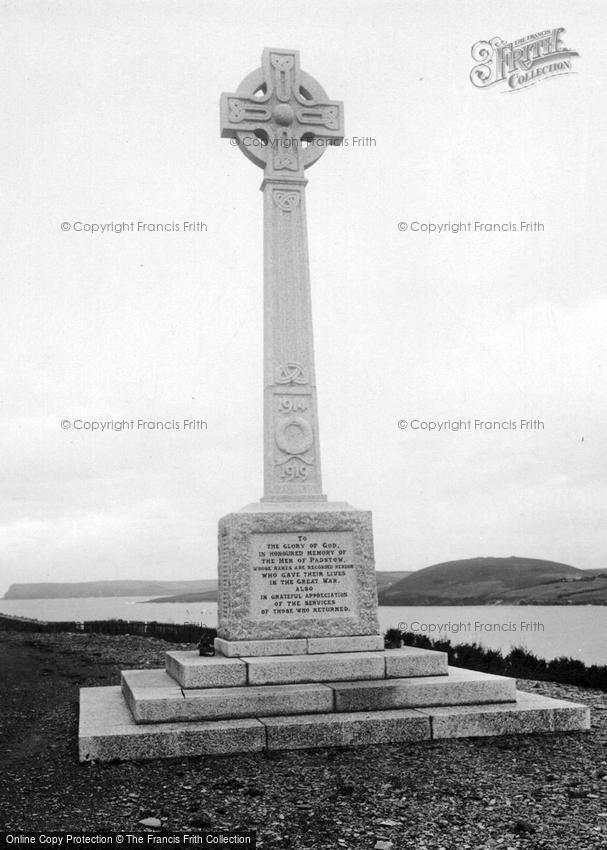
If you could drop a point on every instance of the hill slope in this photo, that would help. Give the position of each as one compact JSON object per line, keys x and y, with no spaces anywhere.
{"x":202,"y":596}
{"x":386,"y":578}
{"x":480,"y":581}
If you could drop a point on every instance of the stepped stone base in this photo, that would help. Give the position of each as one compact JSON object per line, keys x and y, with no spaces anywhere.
{"x":108,"y":731}
{"x":219,"y":705}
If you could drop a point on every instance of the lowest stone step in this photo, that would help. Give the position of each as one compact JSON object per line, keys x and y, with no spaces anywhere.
{"x":154,"y":697}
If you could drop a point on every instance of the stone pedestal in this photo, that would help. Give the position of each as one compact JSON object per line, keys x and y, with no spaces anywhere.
{"x":296,"y":578}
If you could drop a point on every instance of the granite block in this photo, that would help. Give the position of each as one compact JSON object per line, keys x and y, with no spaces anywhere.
{"x":154,"y":698}
{"x":191,"y":670}
{"x":354,"y":643}
{"x":531,"y":713}
{"x":257,"y":701}
{"x":239,"y":648}
{"x":344,"y":730}
{"x":150,"y":694}
{"x":459,"y":687}
{"x":330,"y":667}
{"x":108,"y":732}
{"x":411,"y":661}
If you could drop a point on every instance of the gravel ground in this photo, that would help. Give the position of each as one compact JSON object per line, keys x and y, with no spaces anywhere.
{"x":538,"y":791}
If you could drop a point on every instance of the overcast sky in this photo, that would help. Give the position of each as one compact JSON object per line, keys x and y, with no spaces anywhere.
{"x":111,"y":114}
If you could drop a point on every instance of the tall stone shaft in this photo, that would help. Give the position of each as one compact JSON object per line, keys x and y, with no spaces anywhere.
{"x":292,"y":469}
{"x":283,"y":120}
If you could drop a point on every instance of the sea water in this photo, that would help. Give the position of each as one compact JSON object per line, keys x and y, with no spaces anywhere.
{"x":578,"y":631}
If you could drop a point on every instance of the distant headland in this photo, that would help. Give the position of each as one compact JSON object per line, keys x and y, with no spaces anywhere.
{"x":495,"y":581}
{"x":472,"y":581}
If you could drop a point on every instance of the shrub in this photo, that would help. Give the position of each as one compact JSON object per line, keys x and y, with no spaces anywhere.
{"x":519,"y":662}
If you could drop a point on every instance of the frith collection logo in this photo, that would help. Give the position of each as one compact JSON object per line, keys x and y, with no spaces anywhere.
{"x":522,"y":63}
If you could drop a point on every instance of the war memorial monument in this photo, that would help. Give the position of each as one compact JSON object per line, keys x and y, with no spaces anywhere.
{"x":299,"y":660}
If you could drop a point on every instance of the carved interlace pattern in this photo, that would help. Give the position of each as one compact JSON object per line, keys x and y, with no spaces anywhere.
{"x":291,"y":373}
{"x":286,"y":200}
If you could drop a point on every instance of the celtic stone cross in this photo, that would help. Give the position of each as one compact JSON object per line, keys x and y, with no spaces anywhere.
{"x":282,"y":120}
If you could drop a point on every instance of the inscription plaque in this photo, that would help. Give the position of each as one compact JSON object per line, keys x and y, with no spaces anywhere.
{"x":296,"y":574}
{"x":308,"y":575}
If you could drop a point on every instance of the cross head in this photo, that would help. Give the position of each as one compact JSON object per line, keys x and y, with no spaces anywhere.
{"x":281,"y":117}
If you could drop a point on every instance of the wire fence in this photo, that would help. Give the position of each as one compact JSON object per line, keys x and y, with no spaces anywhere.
{"x":172,"y":632}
